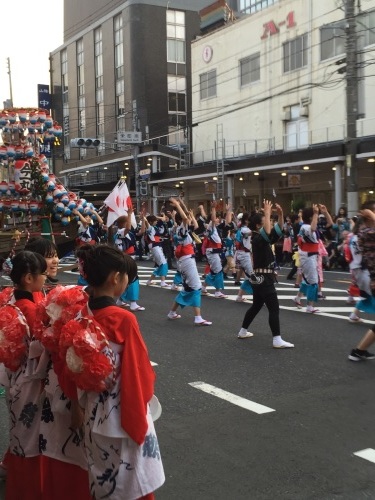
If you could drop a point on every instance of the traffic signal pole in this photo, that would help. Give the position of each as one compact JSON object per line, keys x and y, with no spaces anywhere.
{"x":351,"y":108}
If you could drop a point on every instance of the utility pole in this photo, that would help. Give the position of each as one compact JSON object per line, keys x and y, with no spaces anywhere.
{"x":135,"y":156}
{"x":10,"y":82}
{"x":351,"y":108}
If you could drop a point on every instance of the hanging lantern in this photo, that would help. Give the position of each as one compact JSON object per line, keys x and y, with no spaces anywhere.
{"x":22,"y":115}
{"x":65,"y":199}
{"x":50,"y":186}
{"x":11,"y":152}
{"x":28,"y":151}
{"x":11,"y":187}
{"x":62,"y":189}
{"x":23,"y":205}
{"x":57,"y":130}
{"x":3,"y":119}
{"x":33,"y":118}
{"x":57,"y":193}
{"x":48,"y":122}
{"x":3,"y":152}
{"x":31,"y":128}
{"x":65,"y":220}
{"x":1,"y":205}
{"x":39,"y":127}
{"x":22,"y":176}
{"x":49,"y":197}
{"x":19,"y":151}
{"x":48,"y":137}
{"x":42,"y":116}
{"x":15,"y":205}
{"x":3,"y":187}
{"x":60,"y":207}
{"x":80,"y":208}
{"x":12,"y":117}
{"x":34,"y":206}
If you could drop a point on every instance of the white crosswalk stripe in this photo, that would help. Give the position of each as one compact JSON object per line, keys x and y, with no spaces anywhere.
{"x":334,"y":305}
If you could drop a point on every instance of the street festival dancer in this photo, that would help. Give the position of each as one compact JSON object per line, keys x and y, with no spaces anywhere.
{"x":263,"y":278}
{"x":187,"y":267}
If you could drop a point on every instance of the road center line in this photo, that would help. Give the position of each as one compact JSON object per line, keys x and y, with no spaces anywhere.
{"x":232,"y":398}
{"x":367,"y":454}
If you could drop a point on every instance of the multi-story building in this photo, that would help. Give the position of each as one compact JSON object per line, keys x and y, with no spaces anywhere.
{"x":275,"y":110}
{"x":124,"y":65}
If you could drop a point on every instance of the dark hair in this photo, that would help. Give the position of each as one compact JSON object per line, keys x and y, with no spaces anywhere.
{"x":245,"y":218}
{"x":307,"y":214}
{"x":357,"y":225}
{"x":99,"y":261}
{"x":42,"y":246}
{"x":26,"y":262}
{"x":178,"y":218}
{"x":122,"y":220}
{"x":369,"y":204}
{"x":255,"y":220}
{"x":151,"y":219}
{"x":345,"y":212}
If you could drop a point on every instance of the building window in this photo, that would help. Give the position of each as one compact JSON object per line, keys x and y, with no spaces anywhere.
{"x":99,"y":92}
{"x":98,"y":50}
{"x":332,"y":41}
{"x":119,"y":72}
{"x":369,"y":22}
{"x":119,"y":47}
{"x":176,"y":46}
{"x":295,"y":53}
{"x":296,"y":130}
{"x":208,"y":84}
{"x":177,"y":94}
{"x":65,"y":100}
{"x":250,"y":69}
{"x":252,"y":6}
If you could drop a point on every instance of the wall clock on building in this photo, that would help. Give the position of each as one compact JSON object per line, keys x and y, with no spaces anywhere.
{"x":207,"y":53}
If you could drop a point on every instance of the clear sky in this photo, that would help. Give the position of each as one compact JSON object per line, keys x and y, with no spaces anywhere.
{"x":29,"y":32}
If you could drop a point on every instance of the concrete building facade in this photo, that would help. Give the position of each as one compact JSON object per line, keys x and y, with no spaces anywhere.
{"x":124,"y":66}
{"x":269,"y":107}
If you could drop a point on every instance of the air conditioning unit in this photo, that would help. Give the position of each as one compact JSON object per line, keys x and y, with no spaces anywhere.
{"x":286,"y":115}
{"x":304,"y":111}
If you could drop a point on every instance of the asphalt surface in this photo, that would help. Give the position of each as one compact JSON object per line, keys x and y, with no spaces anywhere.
{"x":291,"y":421}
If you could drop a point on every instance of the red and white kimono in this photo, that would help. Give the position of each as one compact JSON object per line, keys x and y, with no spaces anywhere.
{"x":122,"y":448}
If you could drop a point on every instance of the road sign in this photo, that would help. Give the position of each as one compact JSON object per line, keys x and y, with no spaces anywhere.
{"x":124,"y":137}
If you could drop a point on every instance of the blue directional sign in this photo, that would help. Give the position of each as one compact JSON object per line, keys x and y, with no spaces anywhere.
{"x":44,"y":97}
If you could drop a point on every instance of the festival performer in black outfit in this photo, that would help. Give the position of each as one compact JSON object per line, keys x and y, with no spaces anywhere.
{"x":263,"y":278}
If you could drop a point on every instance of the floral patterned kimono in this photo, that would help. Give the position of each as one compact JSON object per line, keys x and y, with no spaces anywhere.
{"x":122,"y":448}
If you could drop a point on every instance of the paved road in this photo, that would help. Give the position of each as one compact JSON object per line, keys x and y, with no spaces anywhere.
{"x":244,"y":421}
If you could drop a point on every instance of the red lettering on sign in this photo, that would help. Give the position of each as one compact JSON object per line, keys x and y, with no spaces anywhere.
{"x":271,"y":28}
{"x":290,"y":20}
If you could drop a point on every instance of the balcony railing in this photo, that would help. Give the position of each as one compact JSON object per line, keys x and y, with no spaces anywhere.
{"x":288,"y":142}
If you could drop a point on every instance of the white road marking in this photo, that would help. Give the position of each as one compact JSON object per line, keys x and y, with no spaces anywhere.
{"x":367,"y":454}
{"x":231,"y":398}
{"x":153,"y":364}
{"x":339,"y":312}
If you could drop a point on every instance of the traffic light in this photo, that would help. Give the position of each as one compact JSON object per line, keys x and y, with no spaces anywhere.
{"x":143,"y":188}
{"x":84,"y":142}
